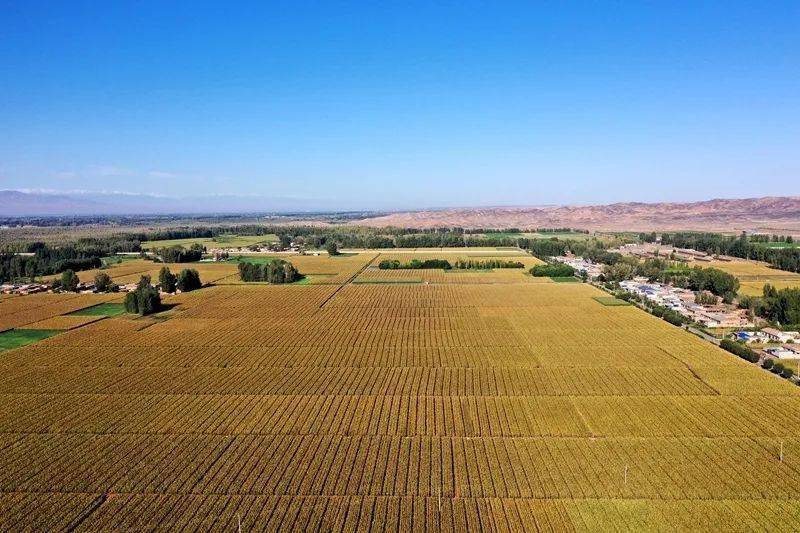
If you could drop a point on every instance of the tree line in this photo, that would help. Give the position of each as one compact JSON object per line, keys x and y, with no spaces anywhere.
{"x":485,"y":264}
{"x":415,"y":264}
{"x":275,"y":271}
{"x":179,"y":254}
{"x":553,"y":270}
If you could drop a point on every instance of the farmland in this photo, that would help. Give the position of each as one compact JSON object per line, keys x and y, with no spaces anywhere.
{"x":472,"y":400}
{"x":753,"y":276}
{"x":220,"y":241}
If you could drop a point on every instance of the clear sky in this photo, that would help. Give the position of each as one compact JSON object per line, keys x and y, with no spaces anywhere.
{"x":396,"y":105}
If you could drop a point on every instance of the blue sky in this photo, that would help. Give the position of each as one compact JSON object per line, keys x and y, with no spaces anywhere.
{"x":398,"y":105}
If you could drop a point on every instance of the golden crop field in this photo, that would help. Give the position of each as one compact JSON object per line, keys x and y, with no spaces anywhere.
{"x":457,"y":406}
{"x":753,"y":276}
{"x":372,"y":274}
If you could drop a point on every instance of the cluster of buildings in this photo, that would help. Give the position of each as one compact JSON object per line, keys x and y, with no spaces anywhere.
{"x":683,"y":301}
{"x":653,"y":250}
{"x":768,"y":335}
{"x":23,"y":288}
{"x":788,"y":342}
{"x":33,"y":288}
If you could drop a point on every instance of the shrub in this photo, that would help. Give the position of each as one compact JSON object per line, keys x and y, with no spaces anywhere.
{"x":742,"y":351}
{"x":332,"y":248}
{"x":673,"y":317}
{"x":777,"y":368}
{"x":787,"y":372}
{"x":767,"y":363}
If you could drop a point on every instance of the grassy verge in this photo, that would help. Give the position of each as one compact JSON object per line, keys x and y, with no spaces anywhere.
{"x":255,"y":259}
{"x":15,"y":338}
{"x":566,"y":279}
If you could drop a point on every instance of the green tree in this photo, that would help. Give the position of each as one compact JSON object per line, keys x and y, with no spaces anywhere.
{"x":131,"y":303}
{"x":167,"y":280}
{"x":69,"y":281}
{"x":103,"y":282}
{"x":144,"y":300}
{"x":332,"y":248}
{"x":188,"y":280}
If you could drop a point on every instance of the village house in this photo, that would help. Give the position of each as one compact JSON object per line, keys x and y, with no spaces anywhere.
{"x":784,"y":352}
{"x":776,"y":335}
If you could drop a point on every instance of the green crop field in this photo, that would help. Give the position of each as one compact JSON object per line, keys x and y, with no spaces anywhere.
{"x":15,"y":338}
{"x":105,"y":309}
{"x":610,"y":301}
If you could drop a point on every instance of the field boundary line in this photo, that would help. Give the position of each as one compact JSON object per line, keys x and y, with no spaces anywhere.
{"x":213,"y":462}
{"x":349,"y":280}
{"x":81,"y":518}
{"x":691,"y":370}
{"x":592,"y":433}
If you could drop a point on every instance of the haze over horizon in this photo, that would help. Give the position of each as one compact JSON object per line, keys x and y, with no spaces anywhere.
{"x":404,"y":106}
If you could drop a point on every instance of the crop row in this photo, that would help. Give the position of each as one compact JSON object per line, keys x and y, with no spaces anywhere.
{"x":707,"y":416}
{"x":152,"y":512}
{"x":721,"y":468}
{"x":350,"y":381}
{"x":298,"y":415}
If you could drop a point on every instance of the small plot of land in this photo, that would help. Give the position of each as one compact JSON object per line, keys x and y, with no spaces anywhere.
{"x":610,"y":301}
{"x":15,"y":338}
{"x":220,"y":241}
{"x":105,"y":309}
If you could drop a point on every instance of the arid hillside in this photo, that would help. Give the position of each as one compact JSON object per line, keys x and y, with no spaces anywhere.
{"x":772,"y":214}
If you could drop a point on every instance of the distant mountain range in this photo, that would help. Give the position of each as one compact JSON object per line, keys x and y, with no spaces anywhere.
{"x":771,"y":214}
{"x":18,"y":203}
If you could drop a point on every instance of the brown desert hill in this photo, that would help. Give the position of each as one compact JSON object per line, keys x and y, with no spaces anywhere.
{"x":769,"y":214}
